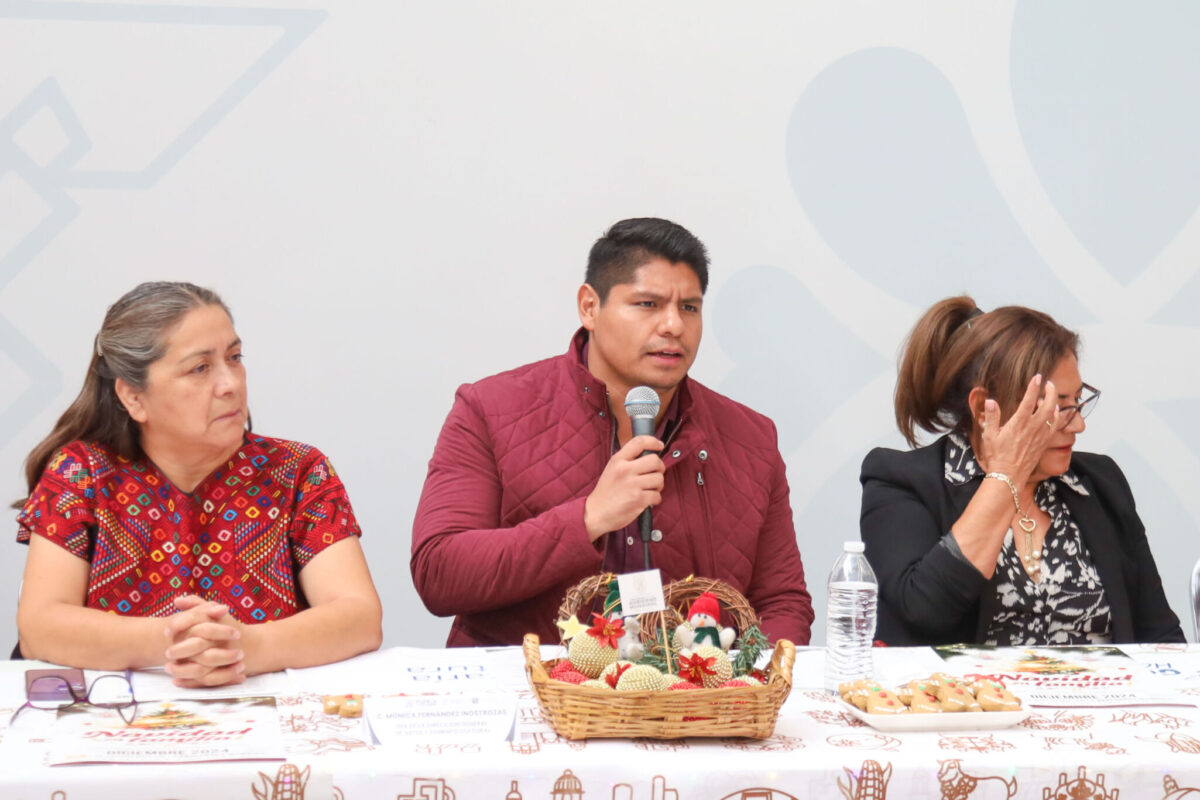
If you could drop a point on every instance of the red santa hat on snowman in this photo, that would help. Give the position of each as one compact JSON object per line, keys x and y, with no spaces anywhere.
{"x":705,"y":604}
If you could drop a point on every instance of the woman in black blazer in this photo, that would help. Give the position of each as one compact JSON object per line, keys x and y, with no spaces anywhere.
{"x":999,"y":532}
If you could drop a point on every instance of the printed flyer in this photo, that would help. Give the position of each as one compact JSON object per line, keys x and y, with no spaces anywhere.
{"x":169,"y":731}
{"x":1089,"y":675}
{"x":484,"y":717}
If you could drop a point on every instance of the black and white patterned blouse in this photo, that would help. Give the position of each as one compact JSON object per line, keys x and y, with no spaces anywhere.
{"x":1068,"y":605}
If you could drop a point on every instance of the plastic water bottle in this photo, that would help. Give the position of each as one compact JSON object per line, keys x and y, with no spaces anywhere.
{"x":849,"y":617}
{"x":1196,"y":600}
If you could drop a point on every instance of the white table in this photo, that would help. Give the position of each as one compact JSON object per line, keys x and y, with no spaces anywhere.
{"x":818,"y":751}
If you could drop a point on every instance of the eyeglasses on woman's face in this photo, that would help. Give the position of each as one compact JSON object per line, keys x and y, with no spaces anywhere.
{"x":53,"y":692}
{"x":1087,"y":401}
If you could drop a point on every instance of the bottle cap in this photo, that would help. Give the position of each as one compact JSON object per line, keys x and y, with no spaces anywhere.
{"x":854,"y":547}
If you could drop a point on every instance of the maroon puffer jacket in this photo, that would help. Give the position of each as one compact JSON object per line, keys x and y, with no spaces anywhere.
{"x":499,"y":536}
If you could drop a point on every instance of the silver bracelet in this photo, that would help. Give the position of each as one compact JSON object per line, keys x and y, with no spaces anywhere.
{"x":1024,"y":520}
{"x":1012,"y":487}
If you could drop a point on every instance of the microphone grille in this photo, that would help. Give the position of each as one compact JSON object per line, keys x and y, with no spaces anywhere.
{"x":642,"y":401}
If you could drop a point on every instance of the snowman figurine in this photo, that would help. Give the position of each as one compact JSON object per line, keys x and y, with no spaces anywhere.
{"x":702,"y":626}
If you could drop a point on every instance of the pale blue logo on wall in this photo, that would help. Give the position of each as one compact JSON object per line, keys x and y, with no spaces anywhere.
{"x":883,"y":161}
{"x":882,"y":158}
{"x":793,"y":359}
{"x":52,"y":179}
{"x":1105,"y":96}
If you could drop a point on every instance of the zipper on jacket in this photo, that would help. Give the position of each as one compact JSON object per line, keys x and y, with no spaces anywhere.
{"x":706,"y":520}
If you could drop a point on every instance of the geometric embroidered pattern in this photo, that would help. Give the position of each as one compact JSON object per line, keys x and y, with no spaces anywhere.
{"x":240,"y":538}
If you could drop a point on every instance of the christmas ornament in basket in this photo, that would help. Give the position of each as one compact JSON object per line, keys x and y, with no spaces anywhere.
{"x":664,"y":675}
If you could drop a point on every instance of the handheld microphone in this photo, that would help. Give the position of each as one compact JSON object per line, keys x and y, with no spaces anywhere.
{"x":642,"y":404}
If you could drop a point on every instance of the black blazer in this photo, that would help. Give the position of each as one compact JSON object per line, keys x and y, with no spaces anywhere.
{"x":927,"y":595}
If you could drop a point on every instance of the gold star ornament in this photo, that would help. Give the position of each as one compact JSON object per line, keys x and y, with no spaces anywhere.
{"x":570,"y":627}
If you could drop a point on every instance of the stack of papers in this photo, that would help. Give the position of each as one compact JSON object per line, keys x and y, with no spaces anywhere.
{"x":169,"y":731}
{"x":1061,"y":676}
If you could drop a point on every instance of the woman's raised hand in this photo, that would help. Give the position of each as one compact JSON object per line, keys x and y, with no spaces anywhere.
{"x":1016,"y":447}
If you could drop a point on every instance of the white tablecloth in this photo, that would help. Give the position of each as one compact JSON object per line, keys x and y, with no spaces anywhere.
{"x":817,"y":751}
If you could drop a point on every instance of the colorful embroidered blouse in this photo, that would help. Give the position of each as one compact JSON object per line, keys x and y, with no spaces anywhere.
{"x":240,"y":538}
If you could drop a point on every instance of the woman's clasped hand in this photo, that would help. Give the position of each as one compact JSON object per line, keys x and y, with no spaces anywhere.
{"x":204,"y":644}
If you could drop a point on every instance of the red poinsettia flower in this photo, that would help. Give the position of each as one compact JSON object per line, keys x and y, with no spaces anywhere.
{"x":607,"y":631}
{"x":694,"y":668}
{"x":614,"y":676}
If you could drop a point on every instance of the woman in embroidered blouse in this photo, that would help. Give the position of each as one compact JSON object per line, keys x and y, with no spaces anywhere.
{"x":999,"y":532}
{"x":161,"y":531}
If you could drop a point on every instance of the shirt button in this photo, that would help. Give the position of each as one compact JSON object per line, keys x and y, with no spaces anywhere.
{"x":674,"y":454}
{"x":602,"y":413}
{"x":629,"y":541}
{"x":703,"y":454}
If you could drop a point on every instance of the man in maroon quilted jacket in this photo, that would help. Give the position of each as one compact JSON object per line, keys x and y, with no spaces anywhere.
{"x":537,"y":480}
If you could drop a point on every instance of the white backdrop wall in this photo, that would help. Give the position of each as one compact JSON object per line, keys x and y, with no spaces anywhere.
{"x":396,"y":198}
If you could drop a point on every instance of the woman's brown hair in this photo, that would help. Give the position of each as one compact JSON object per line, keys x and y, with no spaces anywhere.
{"x":133,"y":336}
{"x":955,"y":347}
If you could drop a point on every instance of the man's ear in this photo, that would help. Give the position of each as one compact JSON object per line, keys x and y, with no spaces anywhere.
{"x":588,"y":302}
{"x":131,"y":398}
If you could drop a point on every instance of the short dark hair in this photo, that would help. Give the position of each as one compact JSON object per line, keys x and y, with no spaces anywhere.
{"x":630,"y":243}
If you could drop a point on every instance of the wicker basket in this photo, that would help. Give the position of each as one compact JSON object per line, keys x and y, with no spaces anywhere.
{"x":579,"y":712}
{"x":584,"y":712}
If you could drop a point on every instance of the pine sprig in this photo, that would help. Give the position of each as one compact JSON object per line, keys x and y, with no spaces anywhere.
{"x":750,"y":645}
{"x":655,"y":654}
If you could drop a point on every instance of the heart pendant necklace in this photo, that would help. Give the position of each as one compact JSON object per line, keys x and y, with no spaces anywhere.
{"x":1030,"y":559}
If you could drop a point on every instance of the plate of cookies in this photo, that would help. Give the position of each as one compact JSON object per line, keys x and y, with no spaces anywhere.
{"x":937,"y":703}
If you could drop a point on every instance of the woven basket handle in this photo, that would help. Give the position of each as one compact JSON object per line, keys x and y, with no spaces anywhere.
{"x":781,"y":661}
{"x":533,"y":659}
